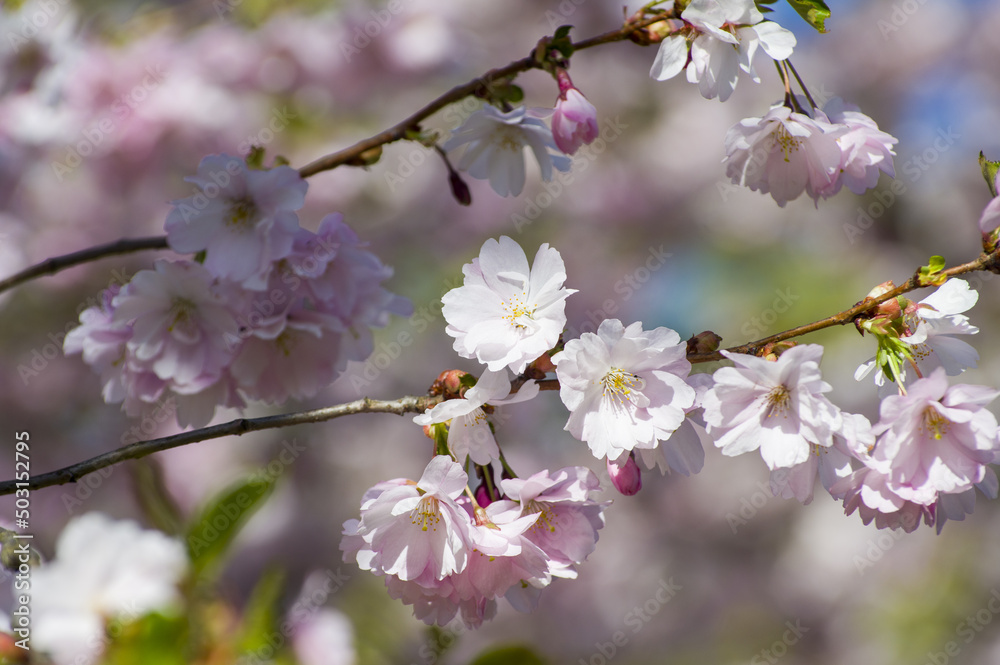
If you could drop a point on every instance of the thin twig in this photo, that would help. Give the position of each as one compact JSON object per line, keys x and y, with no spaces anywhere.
{"x":74,"y":472}
{"x":984,"y":262}
{"x":55,"y":264}
{"x":478,"y":85}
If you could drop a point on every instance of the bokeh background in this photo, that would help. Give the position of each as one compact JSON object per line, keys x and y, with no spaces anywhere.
{"x":147,"y":89}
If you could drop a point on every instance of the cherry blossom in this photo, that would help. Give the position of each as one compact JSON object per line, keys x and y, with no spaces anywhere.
{"x":568,"y":519}
{"x":416,"y":531}
{"x":101,"y":340}
{"x":624,"y":387}
{"x":778,"y":407}
{"x":936,"y":438}
{"x":180,"y":320}
{"x":784,"y":153}
{"x":469,"y":434}
{"x":102,"y":570}
{"x":242,"y":218}
{"x":865,"y":149}
{"x":724,"y":36}
{"x":867,"y":492}
{"x":832,"y":463}
{"x":494,"y":143}
{"x":505,"y":314}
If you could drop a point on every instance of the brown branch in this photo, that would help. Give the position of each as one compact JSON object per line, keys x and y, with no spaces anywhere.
{"x":74,"y":472}
{"x":989,"y":262}
{"x":353,"y":154}
{"x":58,"y":263}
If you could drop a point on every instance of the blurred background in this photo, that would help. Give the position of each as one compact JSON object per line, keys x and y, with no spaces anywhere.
{"x":106,"y":106}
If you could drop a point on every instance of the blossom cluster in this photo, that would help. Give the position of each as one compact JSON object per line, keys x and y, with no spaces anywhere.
{"x":271,"y":311}
{"x":447,"y":549}
{"x":795,"y":147}
{"x":787,"y":152}
{"x":445,"y":554}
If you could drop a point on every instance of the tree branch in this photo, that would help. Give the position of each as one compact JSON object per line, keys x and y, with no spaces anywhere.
{"x":990,"y":262}
{"x":353,"y":154}
{"x":56,"y":264}
{"x":72,"y":473}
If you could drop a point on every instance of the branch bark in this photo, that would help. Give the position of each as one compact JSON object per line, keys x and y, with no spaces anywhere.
{"x":72,"y":473}
{"x":56,"y":264}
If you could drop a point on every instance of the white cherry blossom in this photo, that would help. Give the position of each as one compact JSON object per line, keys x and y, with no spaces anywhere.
{"x":507,"y":314}
{"x":624,"y":387}
{"x":778,"y":407}
{"x":724,"y":37}
{"x":494,"y":143}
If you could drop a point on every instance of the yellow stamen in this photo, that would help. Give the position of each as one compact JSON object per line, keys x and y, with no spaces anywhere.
{"x":427,"y":514}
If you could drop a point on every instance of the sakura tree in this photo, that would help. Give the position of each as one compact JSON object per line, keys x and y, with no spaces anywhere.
{"x":588,"y":298}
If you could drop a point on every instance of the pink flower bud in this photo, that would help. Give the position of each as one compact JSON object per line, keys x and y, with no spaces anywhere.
{"x":448,"y":383}
{"x":483,"y":497}
{"x":574,"y":122}
{"x":626,"y":478}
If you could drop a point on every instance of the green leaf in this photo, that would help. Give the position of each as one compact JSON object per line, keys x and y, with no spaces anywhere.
{"x":989,"y":172}
{"x":513,"y":655}
{"x":154,"y":639}
{"x":815,"y":12}
{"x":440,"y":439}
{"x":930,"y":274}
{"x":255,"y":160}
{"x":210,"y":534}
{"x":260,"y":618}
{"x":562,"y":32}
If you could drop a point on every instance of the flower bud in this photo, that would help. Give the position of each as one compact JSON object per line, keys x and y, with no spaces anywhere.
{"x":704,"y":342}
{"x":626,"y":478}
{"x":459,"y":189}
{"x":448,"y":383}
{"x":483,"y":497}
{"x":574,"y":122}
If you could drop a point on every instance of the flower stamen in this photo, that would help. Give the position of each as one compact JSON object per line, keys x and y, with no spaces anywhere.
{"x":427,"y":514}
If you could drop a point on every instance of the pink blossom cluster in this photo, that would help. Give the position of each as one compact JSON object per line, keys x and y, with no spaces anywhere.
{"x":922,"y":459}
{"x":271,"y":310}
{"x":789,"y":151}
{"x":446,"y":555}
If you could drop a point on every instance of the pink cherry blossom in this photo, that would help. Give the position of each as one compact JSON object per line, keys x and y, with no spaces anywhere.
{"x":101,"y":340}
{"x":624,"y":387}
{"x":242,"y":218}
{"x":568,"y":519}
{"x":932,"y":327}
{"x":936,"y":438}
{"x":831,"y":463}
{"x":507,"y":314}
{"x":298,"y":360}
{"x":867,"y":491}
{"x":865,"y":149}
{"x":180,"y":319}
{"x":778,"y":407}
{"x":417,"y":532}
{"x":784,"y":153}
